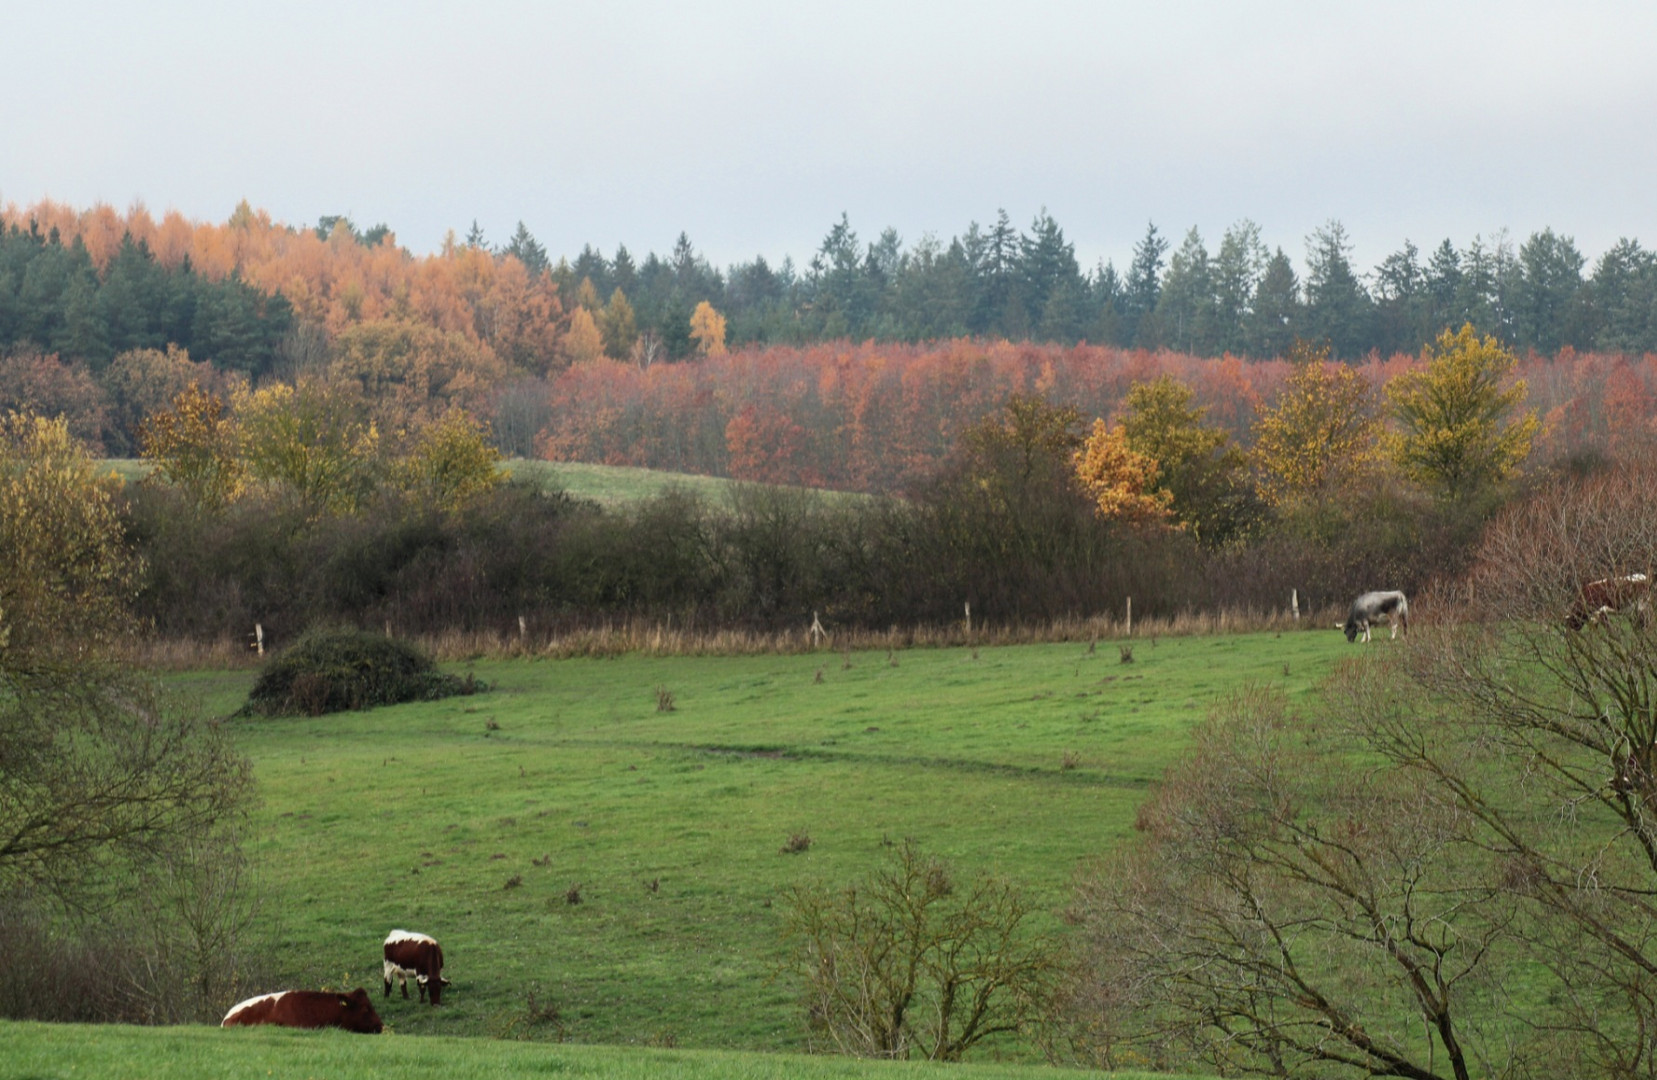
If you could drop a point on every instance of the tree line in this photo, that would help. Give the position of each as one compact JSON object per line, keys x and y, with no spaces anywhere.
{"x":251,"y":295}
{"x":1242,"y":298}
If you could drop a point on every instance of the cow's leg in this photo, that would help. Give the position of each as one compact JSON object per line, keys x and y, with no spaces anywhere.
{"x":387,"y":973}
{"x":1394,"y":624}
{"x":420,"y":981}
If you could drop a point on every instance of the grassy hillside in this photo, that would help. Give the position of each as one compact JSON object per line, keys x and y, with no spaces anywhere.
{"x":613,"y":485}
{"x":110,"y":1052}
{"x":610,"y":485}
{"x":472,"y":819}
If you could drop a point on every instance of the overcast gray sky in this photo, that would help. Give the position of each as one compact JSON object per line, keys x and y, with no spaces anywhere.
{"x":753,"y":125}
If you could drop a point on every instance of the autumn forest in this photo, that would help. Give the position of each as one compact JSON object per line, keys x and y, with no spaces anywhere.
{"x":1275,"y":427}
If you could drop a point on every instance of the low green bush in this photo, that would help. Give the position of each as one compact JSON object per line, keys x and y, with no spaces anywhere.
{"x":331,"y":670}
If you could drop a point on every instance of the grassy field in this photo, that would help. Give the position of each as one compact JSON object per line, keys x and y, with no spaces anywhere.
{"x":472,"y":819}
{"x":614,"y":485}
{"x":62,"y":1051}
{"x":609,"y":485}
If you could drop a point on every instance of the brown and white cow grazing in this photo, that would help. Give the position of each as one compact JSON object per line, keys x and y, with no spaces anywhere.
{"x":408,"y":953}
{"x":1597,"y":599}
{"x":309,"y":1009}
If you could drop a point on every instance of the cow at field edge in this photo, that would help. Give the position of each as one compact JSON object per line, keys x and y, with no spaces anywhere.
{"x":309,"y":1009}
{"x":1597,"y":599}
{"x":1371,"y":608}
{"x":408,"y":953}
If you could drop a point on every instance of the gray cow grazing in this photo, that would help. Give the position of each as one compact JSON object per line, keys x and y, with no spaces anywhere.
{"x":1371,"y":608}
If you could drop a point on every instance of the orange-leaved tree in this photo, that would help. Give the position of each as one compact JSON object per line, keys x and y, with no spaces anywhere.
{"x":1121,"y":481}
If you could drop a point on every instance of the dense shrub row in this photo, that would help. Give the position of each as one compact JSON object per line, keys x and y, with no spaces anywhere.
{"x":1019,"y":551}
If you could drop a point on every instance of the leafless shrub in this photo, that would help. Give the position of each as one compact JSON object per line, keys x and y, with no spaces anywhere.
{"x":573,"y":895}
{"x":796,"y":844}
{"x":1286,"y":914}
{"x":1126,"y":653}
{"x":664,"y":700}
{"x":1069,"y":761}
{"x":540,"y":1018}
{"x":513,"y":882}
{"x":909,"y":961}
{"x":819,"y":676}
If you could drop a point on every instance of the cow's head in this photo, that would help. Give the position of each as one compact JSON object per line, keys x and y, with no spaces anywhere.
{"x":356,"y":1013}
{"x":1351,"y":629}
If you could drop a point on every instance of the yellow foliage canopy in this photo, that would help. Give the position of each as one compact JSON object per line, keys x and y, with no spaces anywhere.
{"x":311,"y":439}
{"x":450,"y":462}
{"x":1319,"y":437}
{"x":1456,"y":435}
{"x":1121,"y":481}
{"x":707,"y":328}
{"x":415,"y":373}
{"x":68,"y":573}
{"x":583,"y":341}
{"x":194,"y":447}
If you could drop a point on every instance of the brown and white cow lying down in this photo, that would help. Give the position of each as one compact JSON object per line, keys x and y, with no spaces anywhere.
{"x":408,"y":953}
{"x":309,"y":1009}
{"x":1597,"y":599}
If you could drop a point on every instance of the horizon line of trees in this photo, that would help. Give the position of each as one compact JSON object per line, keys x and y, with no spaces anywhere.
{"x":90,"y":284}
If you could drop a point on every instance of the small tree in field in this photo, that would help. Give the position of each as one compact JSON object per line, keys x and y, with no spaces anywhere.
{"x":911,"y":961}
{"x":1459,"y":434}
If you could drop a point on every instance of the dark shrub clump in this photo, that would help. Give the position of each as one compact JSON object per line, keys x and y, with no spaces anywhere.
{"x":335,"y":670}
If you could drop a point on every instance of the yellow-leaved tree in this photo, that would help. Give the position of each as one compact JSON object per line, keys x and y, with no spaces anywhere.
{"x":1197,"y":469}
{"x":583,"y":342}
{"x":68,"y":573}
{"x":1320,"y":436}
{"x":312,"y":440}
{"x":707,"y":327}
{"x":193,"y":445}
{"x":450,"y":462}
{"x":1121,"y":481}
{"x":1459,"y":434}
{"x":619,"y":325}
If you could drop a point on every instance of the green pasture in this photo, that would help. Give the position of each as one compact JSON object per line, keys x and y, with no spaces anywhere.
{"x":64,"y":1051}
{"x":608,"y":485}
{"x":472,"y":819}
{"x":617,"y":485}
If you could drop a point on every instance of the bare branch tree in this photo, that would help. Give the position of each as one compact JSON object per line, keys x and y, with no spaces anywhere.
{"x":1288,"y":913}
{"x":911,"y":961}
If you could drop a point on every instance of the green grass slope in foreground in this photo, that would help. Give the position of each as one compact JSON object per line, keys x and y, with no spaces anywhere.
{"x":112,"y":1052}
{"x":473,"y":818}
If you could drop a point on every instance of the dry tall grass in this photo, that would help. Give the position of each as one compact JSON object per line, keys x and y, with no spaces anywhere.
{"x":657,"y":639}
